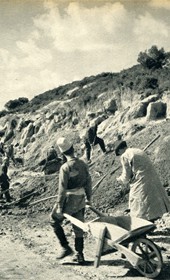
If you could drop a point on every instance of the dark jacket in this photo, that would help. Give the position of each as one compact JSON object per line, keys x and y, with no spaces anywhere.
{"x":3,"y":175}
{"x":91,"y":134}
{"x":74,"y":175}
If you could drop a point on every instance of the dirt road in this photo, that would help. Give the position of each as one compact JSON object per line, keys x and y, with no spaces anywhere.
{"x":28,"y":251}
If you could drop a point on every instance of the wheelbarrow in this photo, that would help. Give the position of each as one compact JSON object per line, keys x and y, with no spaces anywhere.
{"x":127,"y":235}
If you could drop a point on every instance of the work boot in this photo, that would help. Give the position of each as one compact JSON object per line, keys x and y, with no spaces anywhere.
{"x":65,"y":251}
{"x":65,"y":248}
{"x":79,"y":246}
{"x":79,"y":258}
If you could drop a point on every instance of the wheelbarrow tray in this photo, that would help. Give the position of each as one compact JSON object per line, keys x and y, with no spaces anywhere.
{"x":121,"y":228}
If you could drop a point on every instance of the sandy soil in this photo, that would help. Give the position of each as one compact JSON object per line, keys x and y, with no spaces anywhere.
{"x":28,"y":251}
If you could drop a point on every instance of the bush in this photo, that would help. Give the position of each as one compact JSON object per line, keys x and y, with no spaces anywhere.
{"x":13,"y":104}
{"x":3,"y":113}
{"x":154,"y":58}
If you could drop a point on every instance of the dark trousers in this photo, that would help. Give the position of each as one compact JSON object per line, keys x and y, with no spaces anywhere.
{"x":97,"y":141}
{"x":59,"y":232}
{"x":5,"y":191}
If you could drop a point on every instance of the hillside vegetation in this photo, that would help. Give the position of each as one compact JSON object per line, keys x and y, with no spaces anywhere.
{"x":150,"y":76}
{"x":130,"y":82}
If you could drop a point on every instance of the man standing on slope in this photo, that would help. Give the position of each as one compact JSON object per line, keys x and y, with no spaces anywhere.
{"x":4,"y":180}
{"x":91,"y":139}
{"x":147,"y":198}
{"x":74,"y":188}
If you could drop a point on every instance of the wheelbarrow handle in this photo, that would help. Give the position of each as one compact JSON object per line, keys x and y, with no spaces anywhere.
{"x":76,"y":222}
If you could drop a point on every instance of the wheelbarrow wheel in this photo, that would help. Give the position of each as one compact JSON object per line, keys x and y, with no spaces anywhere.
{"x":151,"y":263}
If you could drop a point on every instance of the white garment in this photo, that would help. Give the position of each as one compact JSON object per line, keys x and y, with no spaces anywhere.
{"x":147,"y":198}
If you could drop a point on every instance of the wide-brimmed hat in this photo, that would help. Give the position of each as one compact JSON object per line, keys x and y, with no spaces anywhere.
{"x":120,"y":144}
{"x":63,"y":144}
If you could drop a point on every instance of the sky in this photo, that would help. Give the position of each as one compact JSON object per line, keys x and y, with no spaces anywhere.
{"x":48,"y":43}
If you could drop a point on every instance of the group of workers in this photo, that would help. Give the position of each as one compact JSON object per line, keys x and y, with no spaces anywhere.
{"x":147,"y":197}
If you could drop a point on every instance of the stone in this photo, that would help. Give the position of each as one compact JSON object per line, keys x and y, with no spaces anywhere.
{"x":156,"y":110}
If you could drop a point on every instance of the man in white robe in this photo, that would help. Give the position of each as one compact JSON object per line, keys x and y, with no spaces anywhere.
{"x":147,"y":198}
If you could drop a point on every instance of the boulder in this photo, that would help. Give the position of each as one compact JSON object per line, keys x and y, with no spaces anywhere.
{"x":13,"y":123}
{"x":41,"y":131}
{"x":110,"y":106}
{"x":29,"y":130}
{"x":9,"y":135}
{"x":27,"y":133}
{"x":156,"y":110}
{"x":162,"y":159}
{"x":52,"y":127}
{"x":137,"y":111}
{"x":162,"y":152}
{"x":166,"y":99}
{"x":37,"y":126}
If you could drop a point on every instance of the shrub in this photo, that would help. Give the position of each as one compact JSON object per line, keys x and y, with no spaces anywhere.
{"x":3,"y":113}
{"x":154,"y":58}
{"x":13,"y":104}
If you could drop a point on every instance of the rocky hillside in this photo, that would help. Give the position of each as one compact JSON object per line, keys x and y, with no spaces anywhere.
{"x":33,"y":129}
{"x":133,"y":104}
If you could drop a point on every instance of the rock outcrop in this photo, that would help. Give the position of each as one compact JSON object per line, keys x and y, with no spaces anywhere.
{"x":156,"y":110}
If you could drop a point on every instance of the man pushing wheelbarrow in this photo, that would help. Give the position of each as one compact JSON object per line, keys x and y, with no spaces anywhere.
{"x":73,"y":192}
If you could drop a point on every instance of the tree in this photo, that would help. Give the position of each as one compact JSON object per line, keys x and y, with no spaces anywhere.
{"x":154,"y":58}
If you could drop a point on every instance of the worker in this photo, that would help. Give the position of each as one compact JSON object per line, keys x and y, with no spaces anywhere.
{"x":4,"y":181}
{"x":91,"y":139}
{"x":147,"y":198}
{"x":73,"y":192}
{"x":2,"y":148}
{"x":51,"y":154}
